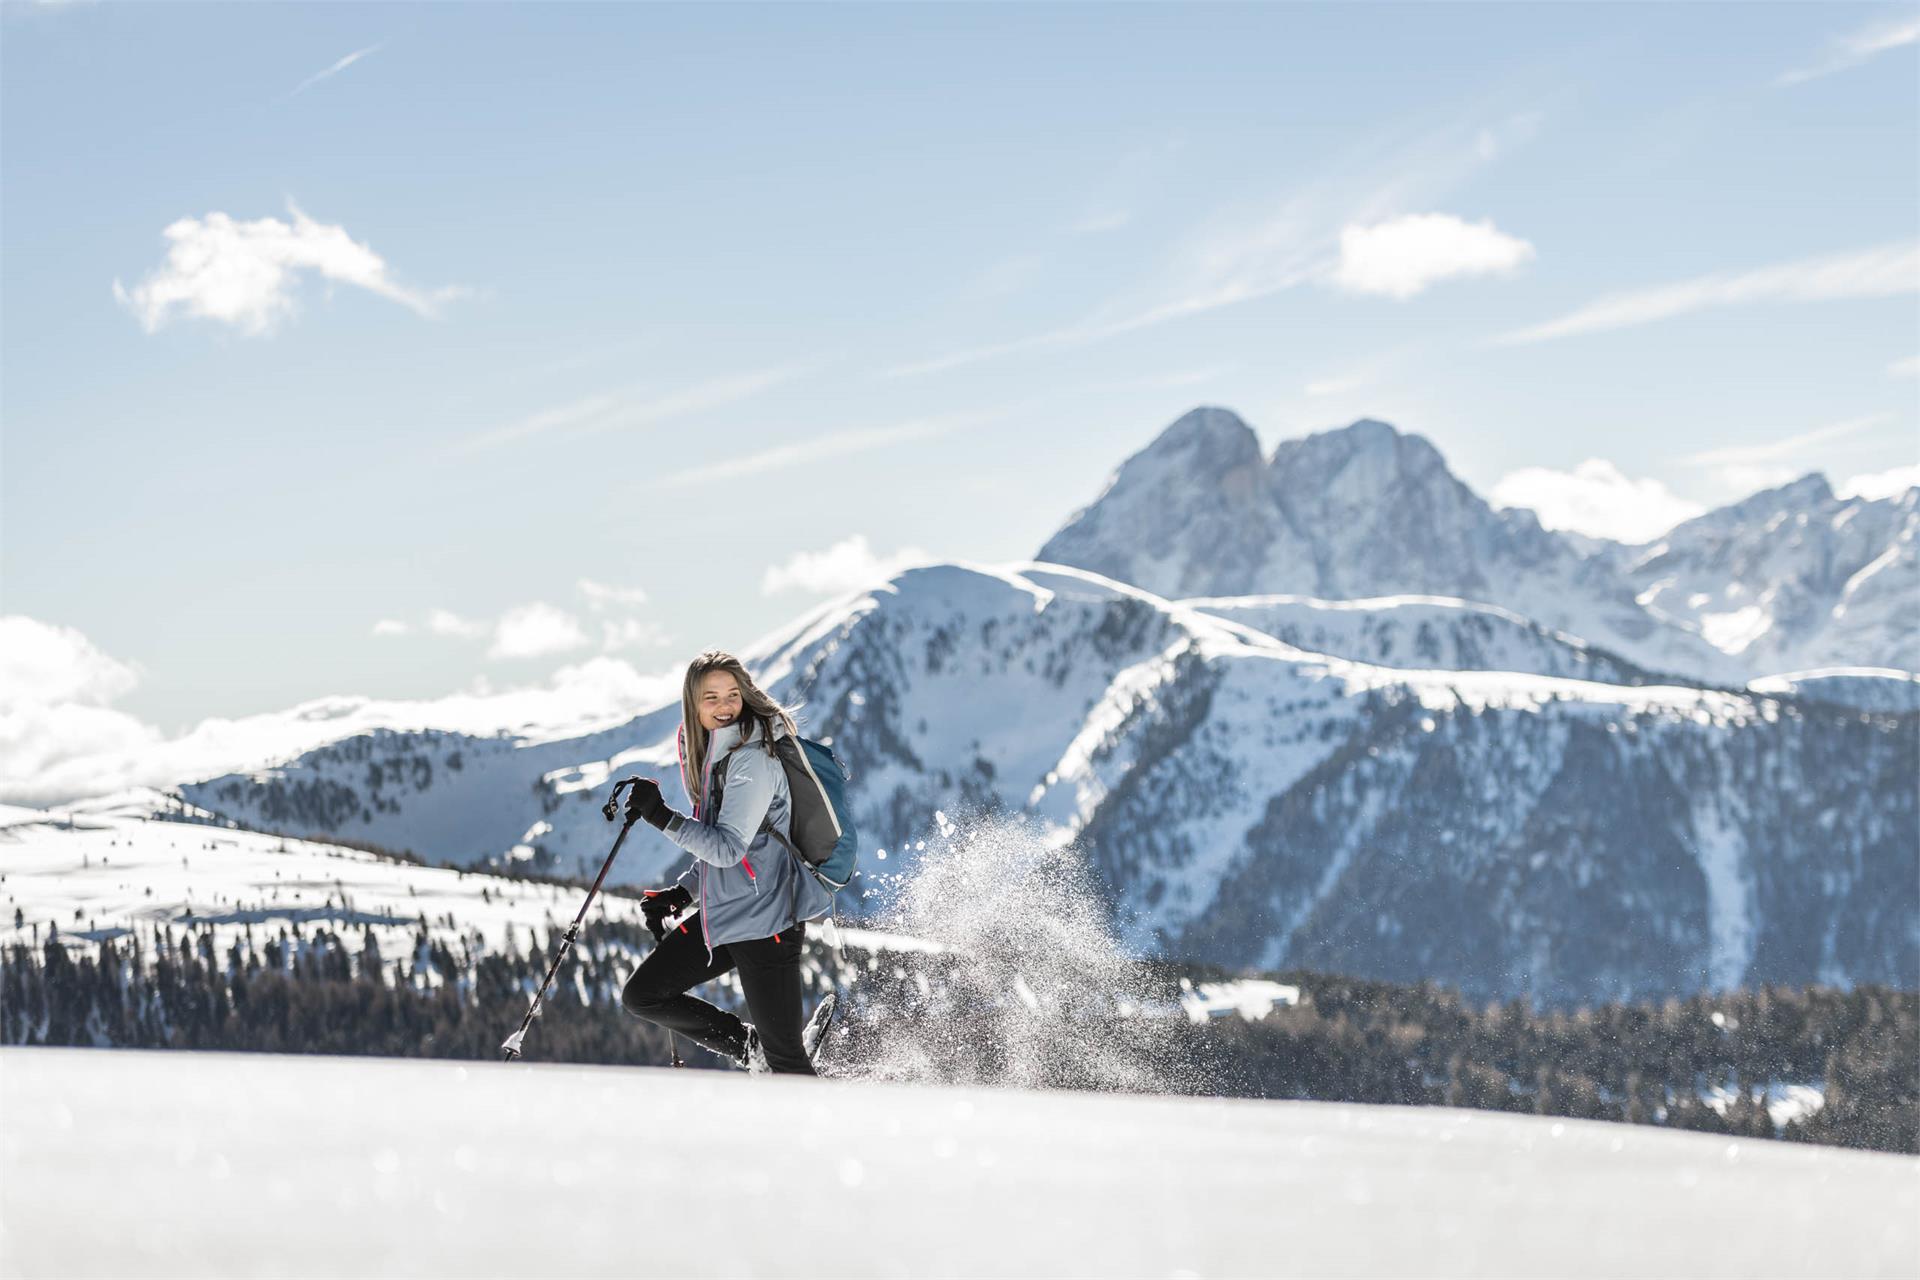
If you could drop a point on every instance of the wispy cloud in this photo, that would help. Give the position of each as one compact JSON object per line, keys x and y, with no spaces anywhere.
{"x":1787,"y":447}
{"x":1907,"y":368}
{"x":1742,"y":469}
{"x":1403,"y":256}
{"x":244,"y":274}
{"x":538,"y":629}
{"x":1242,"y":255}
{"x":847,"y":565}
{"x":1857,"y":47}
{"x":626,"y":409}
{"x":834,"y":445}
{"x":1871,"y":273}
{"x":333,"y":70}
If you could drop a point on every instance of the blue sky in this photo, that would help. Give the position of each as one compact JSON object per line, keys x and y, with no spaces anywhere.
{"x":492,"y":342}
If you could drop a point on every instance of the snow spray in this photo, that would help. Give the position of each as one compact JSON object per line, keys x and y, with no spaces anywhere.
{"x":1007,"y":972}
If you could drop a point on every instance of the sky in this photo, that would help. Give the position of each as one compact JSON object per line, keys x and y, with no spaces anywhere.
{"x":451,"y":354}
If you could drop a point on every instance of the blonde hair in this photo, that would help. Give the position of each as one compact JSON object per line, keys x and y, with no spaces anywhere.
{"x":756,"y":708}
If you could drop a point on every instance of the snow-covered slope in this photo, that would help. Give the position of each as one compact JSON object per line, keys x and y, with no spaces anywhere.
{"x":1422,"y":633}
{"x":1246,"y":802}
{"x":278,"y":1165}
{"x":1793,"y":577}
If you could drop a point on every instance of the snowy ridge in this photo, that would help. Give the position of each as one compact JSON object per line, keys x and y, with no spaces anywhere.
{"x":1869,"y":688}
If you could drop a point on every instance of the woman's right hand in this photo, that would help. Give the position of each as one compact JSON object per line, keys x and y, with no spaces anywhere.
{"x":657,"y":904}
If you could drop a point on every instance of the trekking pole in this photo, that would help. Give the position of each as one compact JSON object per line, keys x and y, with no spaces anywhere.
{"x":511,"y":1045}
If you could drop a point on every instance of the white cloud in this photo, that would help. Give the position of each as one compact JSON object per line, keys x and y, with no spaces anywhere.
{"x":333,"y":70}
{"x":1881,"y":484}
{"x":534,"y":631}
{"x":538,"y":629}
{"x":847,"y":565}
{"x":1239,"y":256}
{"x":1856,"y":47}
{"x":244,"y":273}
{"x":1403,"y":256}
{"x":57,"y":744}
{"x":1872,"y":273}
{"x":1907,"y":368}
{"x":1595,"y":498}
{"x":444,"y":622}
{"x":600,"y":596}
{"x":44,"y":664}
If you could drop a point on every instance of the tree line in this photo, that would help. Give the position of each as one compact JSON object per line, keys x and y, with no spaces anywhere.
{"x":1346,"y":1039}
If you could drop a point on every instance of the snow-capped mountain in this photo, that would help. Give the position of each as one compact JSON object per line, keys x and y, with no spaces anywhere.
{"x":1791,"y":578}
{"x":1366,"y":511}
{"x":1247,"y":802}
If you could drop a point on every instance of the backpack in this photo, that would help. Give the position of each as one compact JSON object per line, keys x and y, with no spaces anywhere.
{"x":819,"y":815}
{"x":821,"y":820}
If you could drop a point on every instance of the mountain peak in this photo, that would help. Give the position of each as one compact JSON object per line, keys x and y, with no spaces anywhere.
{"x":1216,"y":431}
{"x":1382,"y":449}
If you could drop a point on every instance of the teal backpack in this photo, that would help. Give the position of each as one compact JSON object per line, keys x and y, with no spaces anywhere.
{"x":822,"y":822}
{"x":820,"y":819}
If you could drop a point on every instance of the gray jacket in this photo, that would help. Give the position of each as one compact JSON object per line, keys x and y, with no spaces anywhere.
{"x":748,"y":885}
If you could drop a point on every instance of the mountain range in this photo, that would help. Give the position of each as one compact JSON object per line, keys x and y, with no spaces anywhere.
{"x":1326,"y":709}
{"x":1788,"y":579}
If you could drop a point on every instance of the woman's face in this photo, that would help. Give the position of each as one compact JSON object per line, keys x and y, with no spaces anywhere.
{"x":717,"y":699}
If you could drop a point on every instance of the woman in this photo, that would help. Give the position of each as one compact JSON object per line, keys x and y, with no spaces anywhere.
{"x":754,"y":897}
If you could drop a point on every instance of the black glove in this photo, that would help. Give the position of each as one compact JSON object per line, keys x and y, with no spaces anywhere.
{"x":644,"y":802}
{"x":657,"y":904}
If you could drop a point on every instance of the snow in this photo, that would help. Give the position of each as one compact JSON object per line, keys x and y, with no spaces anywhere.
{"x":1731,"y":926}
{"x":1251,"y":998}
{"x":1733,"y":631}
{"x":123,"y":872}
{"x":1868,"y":688}
{"x":284,"y":1165}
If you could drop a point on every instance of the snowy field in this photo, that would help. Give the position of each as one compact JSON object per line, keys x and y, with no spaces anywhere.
{"x":140,"y":1163}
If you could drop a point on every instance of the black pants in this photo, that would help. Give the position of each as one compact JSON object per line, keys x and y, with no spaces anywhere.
{"x":769,"y":978}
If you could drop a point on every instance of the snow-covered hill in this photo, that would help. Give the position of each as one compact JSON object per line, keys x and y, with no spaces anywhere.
{"x":270,"y":1164}
{"x":1249,"y":803}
